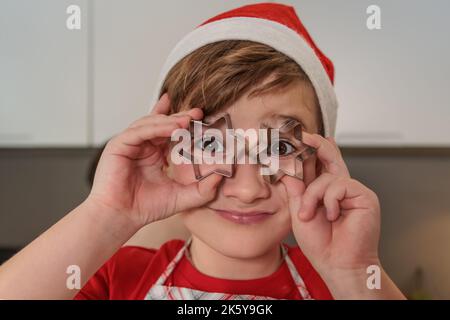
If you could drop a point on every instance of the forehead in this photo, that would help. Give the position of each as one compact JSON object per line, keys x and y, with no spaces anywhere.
{"x":273,"y":109}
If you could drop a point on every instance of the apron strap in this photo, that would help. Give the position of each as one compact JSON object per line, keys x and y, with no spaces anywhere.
{"x":297,"y":278}
{"x":173,"y":263}
{"x":292,"y":269}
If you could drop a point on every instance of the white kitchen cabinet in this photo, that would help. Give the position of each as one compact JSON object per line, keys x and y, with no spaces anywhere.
{"x":131,"y":42}
{"x":392,"y":84}
{"x":43,"y":75}
{"x":79,"y":88}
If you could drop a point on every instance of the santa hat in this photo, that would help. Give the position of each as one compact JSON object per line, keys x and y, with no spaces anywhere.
{"x":277,"y":26}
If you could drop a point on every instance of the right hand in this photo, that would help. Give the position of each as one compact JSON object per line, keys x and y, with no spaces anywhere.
{"x":130,"y":178}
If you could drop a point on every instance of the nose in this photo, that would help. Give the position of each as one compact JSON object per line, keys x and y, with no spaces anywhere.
{"x":247,"y":185}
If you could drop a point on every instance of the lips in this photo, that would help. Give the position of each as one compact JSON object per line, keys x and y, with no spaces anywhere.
{"x":244,"y":217}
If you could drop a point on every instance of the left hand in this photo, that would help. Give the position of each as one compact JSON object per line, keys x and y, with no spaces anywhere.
{"x":335,"y":219}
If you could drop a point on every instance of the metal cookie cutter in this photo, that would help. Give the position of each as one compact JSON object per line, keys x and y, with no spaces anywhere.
{"x":291,"y":164}
{"x":215,"y":139}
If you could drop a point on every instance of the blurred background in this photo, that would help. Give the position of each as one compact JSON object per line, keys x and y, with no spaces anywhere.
{"x":64,"y":92}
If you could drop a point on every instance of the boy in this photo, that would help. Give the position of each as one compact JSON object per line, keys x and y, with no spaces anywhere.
{"x":258,"y":65}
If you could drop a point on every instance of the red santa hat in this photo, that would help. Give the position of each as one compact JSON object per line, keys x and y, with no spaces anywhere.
{"x":277,"y":26}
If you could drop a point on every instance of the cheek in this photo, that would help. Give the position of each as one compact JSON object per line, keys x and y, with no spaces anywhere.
{"x":282,"y":220}
{"x":279,"y":196}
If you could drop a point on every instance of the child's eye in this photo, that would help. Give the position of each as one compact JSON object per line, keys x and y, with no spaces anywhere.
{"x":209,"y":143}
{"x":281,"y":148}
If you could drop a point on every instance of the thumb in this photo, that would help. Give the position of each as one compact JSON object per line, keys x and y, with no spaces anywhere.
{"x":294,"y":190}
{"x":197,"y":193}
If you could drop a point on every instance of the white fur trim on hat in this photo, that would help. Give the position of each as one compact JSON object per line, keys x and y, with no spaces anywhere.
{"x":273,"y":34}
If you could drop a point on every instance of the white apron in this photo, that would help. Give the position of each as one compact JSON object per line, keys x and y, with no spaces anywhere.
{"x":159,"y":291}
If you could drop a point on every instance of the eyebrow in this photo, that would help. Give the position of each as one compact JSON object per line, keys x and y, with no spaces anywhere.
{"x":277,"y":116}
{"x":285,"y":119}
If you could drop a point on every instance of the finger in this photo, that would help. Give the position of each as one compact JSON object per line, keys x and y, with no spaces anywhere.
{"x":162,"y":106}
{"x":334,"y":194}
{"x":358,"y":196}
{"x":294,"y":190}
{"x":347,"y":194}
{"x":313,"y":195}
{"x":151,"y":120}
{"x":134,"y":143}
{"x":328,"y":153}
{"x":313,"y":235}
{"x":198,"y":193}
{"x":137,"y":135}
{"x":194,"y":113}
{"x":182,"y":118}
{"x":333,"y":142}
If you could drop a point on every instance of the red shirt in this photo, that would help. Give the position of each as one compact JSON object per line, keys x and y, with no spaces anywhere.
{"x":131,"y":272}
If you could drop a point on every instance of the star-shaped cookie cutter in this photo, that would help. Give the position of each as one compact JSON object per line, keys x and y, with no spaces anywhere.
{"x":291,"y":165}
{"x":226,"y":170}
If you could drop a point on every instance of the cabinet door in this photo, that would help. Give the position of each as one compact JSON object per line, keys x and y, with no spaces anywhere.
{"x":43,"y":74}
{"x":131,"y":42}
{"x":392,"y":84}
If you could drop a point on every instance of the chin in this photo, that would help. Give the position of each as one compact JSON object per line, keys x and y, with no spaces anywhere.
{"x":237,"y":240}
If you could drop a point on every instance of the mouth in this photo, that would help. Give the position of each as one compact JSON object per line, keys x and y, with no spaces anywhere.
{"x":244,"y":217}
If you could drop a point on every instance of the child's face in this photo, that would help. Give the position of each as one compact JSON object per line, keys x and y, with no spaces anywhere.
{"x":247,"y":191}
